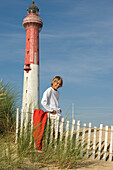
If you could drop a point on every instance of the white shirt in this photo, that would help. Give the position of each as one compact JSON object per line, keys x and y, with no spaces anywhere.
{"x":50,"y":100}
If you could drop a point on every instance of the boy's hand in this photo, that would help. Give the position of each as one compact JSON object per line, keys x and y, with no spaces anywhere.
{"x":54,"y":112}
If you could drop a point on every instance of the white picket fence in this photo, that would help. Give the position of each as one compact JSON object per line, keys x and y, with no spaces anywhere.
{"x":95,"y":143}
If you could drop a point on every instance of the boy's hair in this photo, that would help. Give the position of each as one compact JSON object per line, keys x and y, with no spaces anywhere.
{"x":57,"y":78}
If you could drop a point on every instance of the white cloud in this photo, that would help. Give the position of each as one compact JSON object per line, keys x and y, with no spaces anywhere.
{"x":61,"y":35}
{"x":80,"y":69}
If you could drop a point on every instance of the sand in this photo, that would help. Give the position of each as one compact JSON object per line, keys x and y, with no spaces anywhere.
{"x":86,"y":165}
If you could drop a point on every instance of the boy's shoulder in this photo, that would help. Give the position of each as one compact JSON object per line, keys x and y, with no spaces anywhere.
{"x":48,"y":89}
{"x":51,"y":90}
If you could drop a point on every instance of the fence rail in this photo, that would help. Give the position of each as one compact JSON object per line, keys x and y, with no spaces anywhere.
{"x":95,"y":143}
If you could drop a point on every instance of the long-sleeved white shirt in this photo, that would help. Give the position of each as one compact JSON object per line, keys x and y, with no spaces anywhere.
{"x":50,"y":100}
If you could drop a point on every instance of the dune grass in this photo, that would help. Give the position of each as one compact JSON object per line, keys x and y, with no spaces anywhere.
{"x":24,"y":155}
{"x":8,"y":105}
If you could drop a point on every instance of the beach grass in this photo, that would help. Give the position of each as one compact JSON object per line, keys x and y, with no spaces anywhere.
{"x":24,"y":154}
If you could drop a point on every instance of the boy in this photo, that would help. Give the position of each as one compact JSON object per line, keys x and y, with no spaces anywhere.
{"x":50,"y":98}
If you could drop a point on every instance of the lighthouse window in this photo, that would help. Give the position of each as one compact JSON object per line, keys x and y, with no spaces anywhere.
{"x":32,"y":11}
{"x":26,"y":80}
{"x":27,"y":52}
{"x":28,"y":39}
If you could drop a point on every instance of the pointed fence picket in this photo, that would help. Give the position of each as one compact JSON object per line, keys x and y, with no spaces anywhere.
{"x":47,"y":130}
{"x":77,"y":134}
{"x":72,"y":132}
{"x":17,"y":125}
{"x":61,"y":130}
{"x":105,"y":146}
{"x":56,"y":130}
{"x":100,"y":141}
{"x":95,"y":143}
{"x":27,"y":120}
{"x":67,"y":135}
{"x":83,"y":139}
{"x":111,"y":145}
{"x":52,"y":131}
{"x":72,"y":129}
{"x":89,"y":140}
{"x":22,"y":122}
{"x":31,"y":137}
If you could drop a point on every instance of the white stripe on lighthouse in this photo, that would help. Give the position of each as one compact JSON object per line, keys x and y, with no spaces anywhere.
{"x":31,"y":88}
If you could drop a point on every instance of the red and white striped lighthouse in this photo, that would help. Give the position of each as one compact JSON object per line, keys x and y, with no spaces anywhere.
{"x":32,"y":24}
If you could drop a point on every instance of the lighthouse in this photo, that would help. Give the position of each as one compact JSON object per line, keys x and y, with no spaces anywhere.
{"x":32,"y":24}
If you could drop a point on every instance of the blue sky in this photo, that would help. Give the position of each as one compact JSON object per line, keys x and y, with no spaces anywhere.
{"x":76,"y":42}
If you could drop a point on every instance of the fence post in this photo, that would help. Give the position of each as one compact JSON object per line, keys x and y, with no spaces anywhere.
{"x":31,"y":137}
{"x":94,"y":141}
{"x":56,"y":130}
{"x":100,"y":140}
{"x":22,"y":122}
{"x":51,"y":133}
{"x":61,"y":130}
{"x":26,"y":121}
{"x":47,"y":133}
{"x":111,"y":145}
{"x":105,"y":146}
{"x":77,"y":134}
{"x":67,"y":135}
{"x":83,"y":138}
{"x":17,"y":125}
{"x":72,"y":131}
{"x":89,"y":138}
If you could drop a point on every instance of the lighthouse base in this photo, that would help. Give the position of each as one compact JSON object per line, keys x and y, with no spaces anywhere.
{"x":31,"y":88}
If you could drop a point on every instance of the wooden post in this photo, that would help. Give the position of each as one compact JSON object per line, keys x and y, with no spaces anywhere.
{"x":72,"y":129}
{"x":17,"y":125}
{"x":22,"y":122}
{"x":31,"y":137}
{"x":26,"y":120}
{"x":61,"y":130}
{"x":51,"y":134}
{"x":47,"y":129}
{"x":77,"y":134}
{"x":100,"y":140}
{"x":48,"y":119}
{"x":56,"y":130}
{"x":111,"y":145}
{"x":94,"y":141}
{"x":105,"y":146}
{"x":67,"y":135}
{"x":83,"y":138}
{"x":89,"y":138}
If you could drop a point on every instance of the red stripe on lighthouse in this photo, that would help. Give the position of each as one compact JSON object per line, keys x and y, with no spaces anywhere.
{"x":32,"y":24}
{"x":32,"y":44}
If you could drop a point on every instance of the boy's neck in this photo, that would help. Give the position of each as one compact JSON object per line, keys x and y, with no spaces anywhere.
{"x":54,"y":89}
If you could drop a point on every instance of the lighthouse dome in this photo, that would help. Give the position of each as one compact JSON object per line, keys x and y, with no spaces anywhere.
{"x":33,"y":8}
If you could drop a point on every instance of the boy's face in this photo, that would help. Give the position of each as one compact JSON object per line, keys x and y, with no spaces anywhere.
{"x":56,"y":84}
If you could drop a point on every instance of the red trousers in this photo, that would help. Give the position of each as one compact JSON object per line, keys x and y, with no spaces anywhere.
{"x":39,"y":122}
